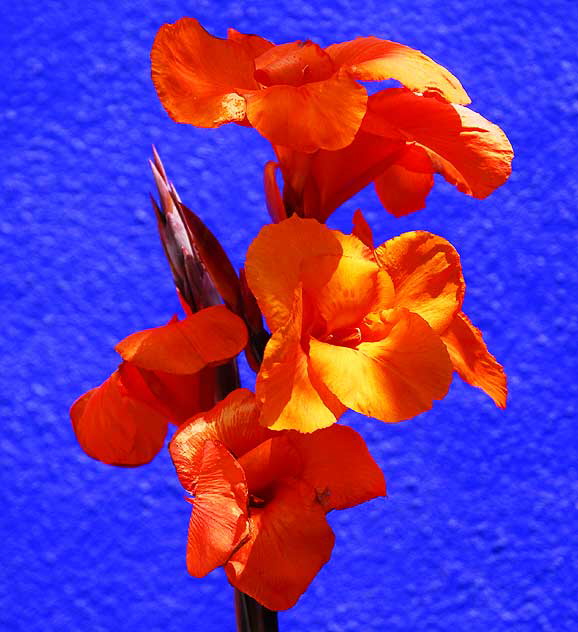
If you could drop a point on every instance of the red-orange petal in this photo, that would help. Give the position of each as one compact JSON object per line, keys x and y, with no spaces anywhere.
{"x":404,"y":186}
{"x":290,"y":542}
{"x":337,"y":463}
{"x":330,"y":178}
{"x":234,"y":422}
{"x":472,"y":360}
{"x":427,"y":276}
{"x":255,"y":45}
{"x":204,"y":338}
{"x":469,"y":151}
{"x":219,"y":522}
{"x":293,"y":64}
{"x":362,"y":229}
{"x":375,"y":59}
{"x":175,"y":397}
{"x":273,"y":197}
{"x":199,"y":77}
{"x":269,"y":462}
{"x":289,"y":398}
{"x":394,"y":374}
{"x":115,"y":428}
{"x":322,"y":114}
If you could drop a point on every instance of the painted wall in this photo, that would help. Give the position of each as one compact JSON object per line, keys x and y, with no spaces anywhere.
{"x":479,"y":530}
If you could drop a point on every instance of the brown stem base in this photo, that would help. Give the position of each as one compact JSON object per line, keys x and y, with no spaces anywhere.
{"x":252,"y":616}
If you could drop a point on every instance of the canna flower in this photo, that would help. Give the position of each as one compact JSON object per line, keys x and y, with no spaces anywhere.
{"x":260,"y":497}
{"x":168,"y":374}
{"x":377,"y":331}
{"x":403,"y":140}
{"x":297,"y":95}
{"x":172,"y":372}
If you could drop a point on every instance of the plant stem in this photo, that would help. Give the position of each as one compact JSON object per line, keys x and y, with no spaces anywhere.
{"x":252,"y":616}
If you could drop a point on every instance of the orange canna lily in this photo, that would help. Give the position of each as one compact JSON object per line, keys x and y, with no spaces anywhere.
{"x":378,"y":331}
{"x":403,"y":140}
{"x":260,"y":497}
{"x":167,"y":375}
{"x":297,"y":95}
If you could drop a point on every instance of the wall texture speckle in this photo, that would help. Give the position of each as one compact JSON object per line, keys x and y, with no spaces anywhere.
{"x":479,"y":532}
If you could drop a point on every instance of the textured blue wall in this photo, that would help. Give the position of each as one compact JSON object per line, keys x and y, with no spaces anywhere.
{"x":479,"y":531}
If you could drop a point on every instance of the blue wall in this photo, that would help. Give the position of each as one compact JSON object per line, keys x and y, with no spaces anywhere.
{"x":479,"y":530}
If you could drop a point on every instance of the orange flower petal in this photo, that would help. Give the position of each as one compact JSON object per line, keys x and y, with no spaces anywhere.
{"x":293,"y":64}
{"x":342,"y":289}
{"x":255,"y":45}
{"x":337,"y":463}
{"x":290,"y":542}
{"x":114,"y":428}
{"x":219,"y":522}
{"x":175,"y":397}
{"x":207,"y":337}
{"x":393,"y":377}
{"x":374,"y":59}
{"x":319,"y":124}
{"x":269,"y":462}
{"x":198,"y":77}
{"x":234,"y":422}
{"x":362,"y":229}
{"x":274,"y":261}
{"x":469,"y":151}
{"x":427,"y":276}
{"x":284,"y":387}
{"x":319,"y":185}
{"x":273,"y":197}
{"x":472,"y":360}
{"x":404,"y":186}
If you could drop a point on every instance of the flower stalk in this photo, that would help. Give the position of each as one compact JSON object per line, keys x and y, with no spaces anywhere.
{"x":252,"y":616}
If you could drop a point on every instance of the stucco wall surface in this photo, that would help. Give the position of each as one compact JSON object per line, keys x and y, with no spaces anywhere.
{"x":479,"y":532}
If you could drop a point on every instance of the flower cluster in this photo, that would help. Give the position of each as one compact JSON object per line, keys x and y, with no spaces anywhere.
{"x":328,"y":322}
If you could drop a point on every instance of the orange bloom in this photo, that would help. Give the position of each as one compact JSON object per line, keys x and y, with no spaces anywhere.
{"x":379,"y":332}
{"x":260,"y":497}
{"x":404,"y":139}
{"x":297,"y":94}
{"x":167,"y":375}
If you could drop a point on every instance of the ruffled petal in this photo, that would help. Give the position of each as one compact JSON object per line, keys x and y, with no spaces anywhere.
{"x":199,"y":77}
{"x":289,"y":398}
{"x":338,"y":465}
{"x":469,"y":151}
{"x":234,"y":422}
{"x":404,"y":186}
{"x":342,"y":289}
{"x":274,"y":262}
{"x":219,"y":522}
{"x":322,"y":114}
{"x":472,"y":360}
{"x":375,"y":59}
{"x":114,"y":428}
{"x":427,"y":275}
{"x":290,"y":542}
{"x":204,"y":338}
{"x":395,"y":374}
{"x":293,"y":64}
